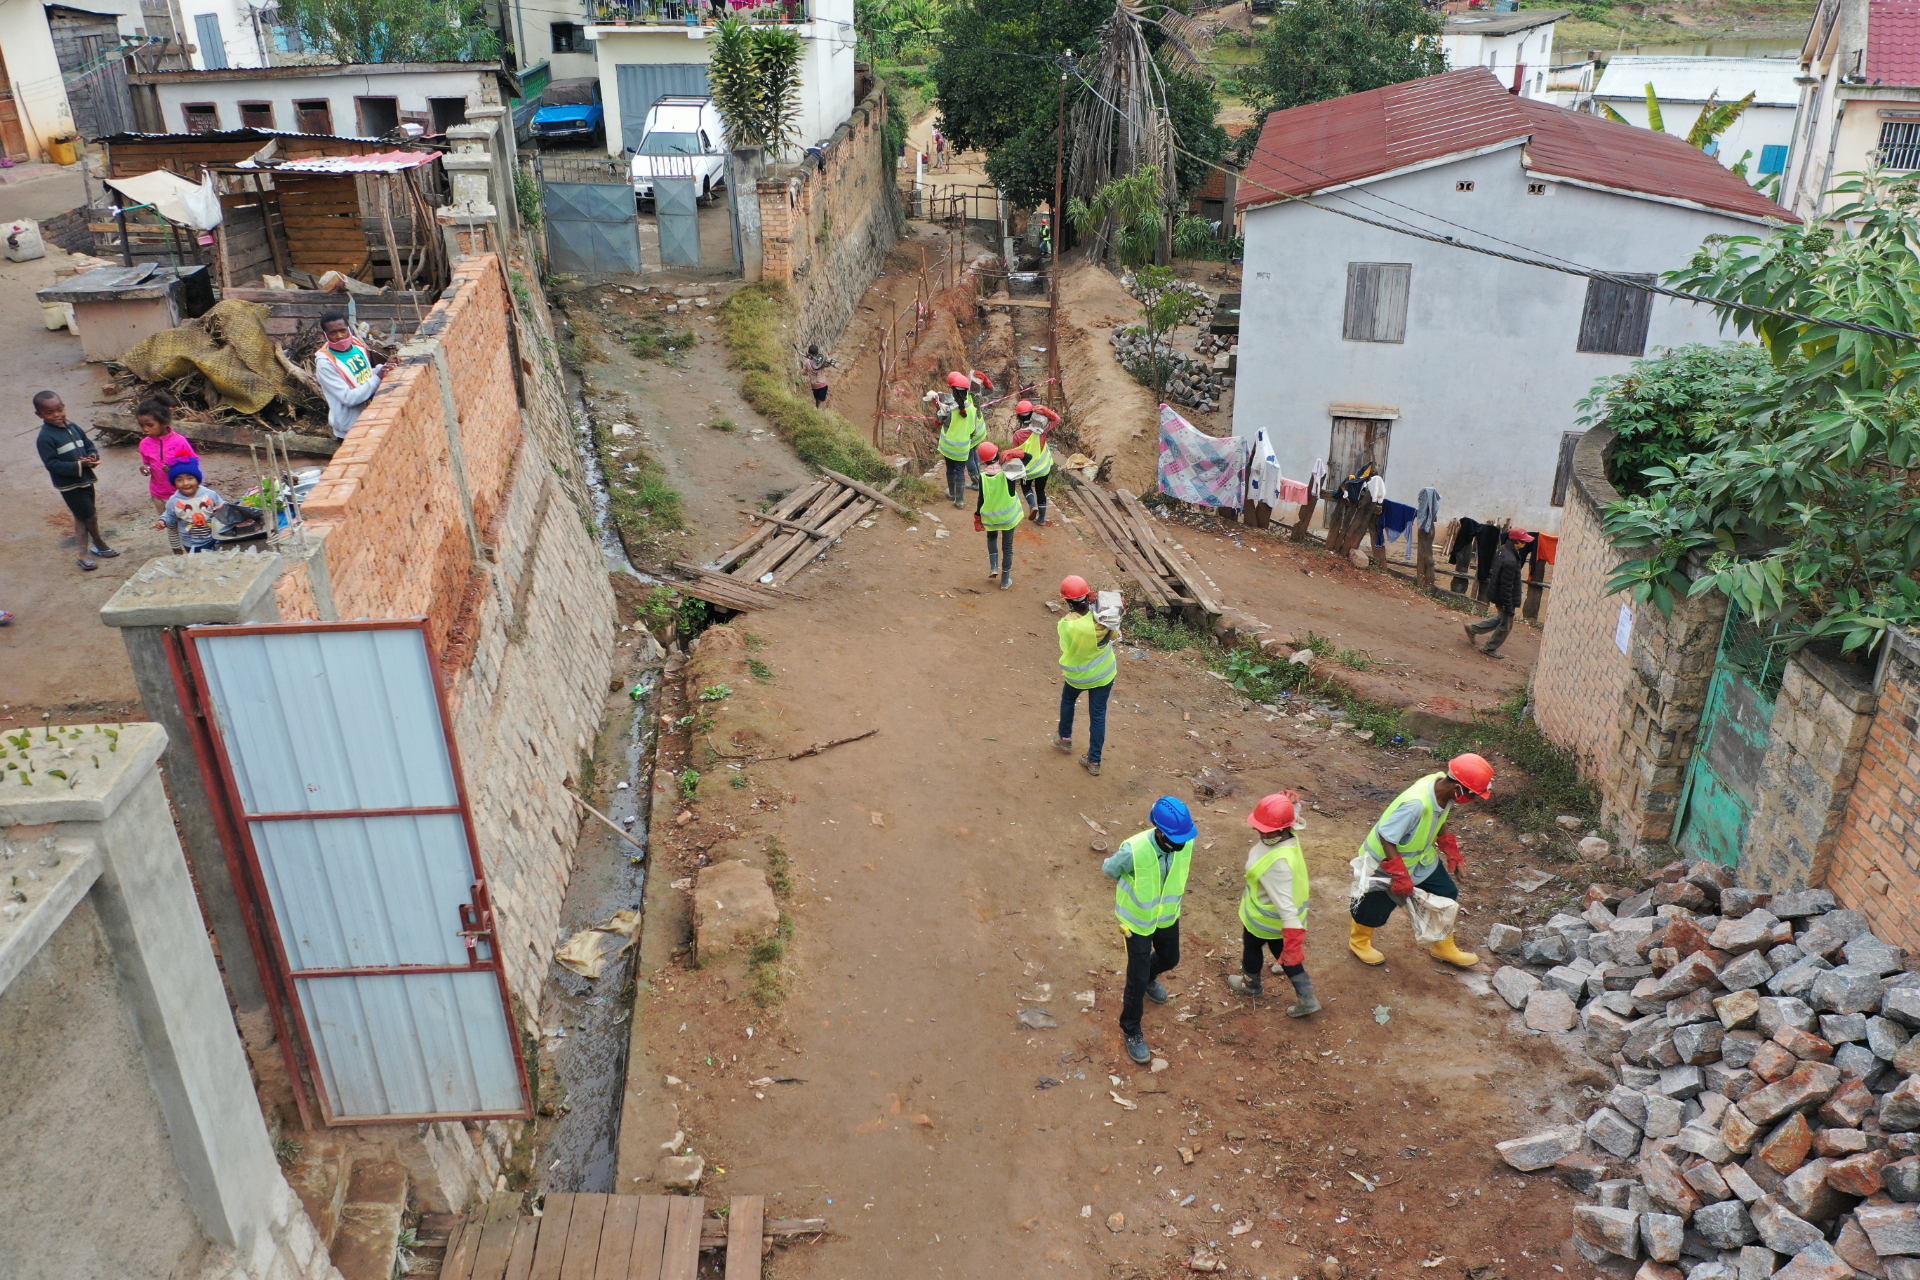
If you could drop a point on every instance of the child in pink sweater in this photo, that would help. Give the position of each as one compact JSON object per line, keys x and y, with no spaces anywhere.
{"x":160,"y":448}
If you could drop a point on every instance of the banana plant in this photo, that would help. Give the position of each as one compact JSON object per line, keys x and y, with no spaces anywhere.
{"x":1715,"y":118}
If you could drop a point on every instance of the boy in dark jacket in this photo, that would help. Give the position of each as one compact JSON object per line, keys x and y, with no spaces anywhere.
{"x":70,"y":458}
{"x":1503,"y":592}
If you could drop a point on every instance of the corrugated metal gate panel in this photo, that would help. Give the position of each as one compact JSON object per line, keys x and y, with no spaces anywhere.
{"x":676,"y":205}
{"x":338,"y":761}
{"x":641,"y":84}
{"x":592,"y":227}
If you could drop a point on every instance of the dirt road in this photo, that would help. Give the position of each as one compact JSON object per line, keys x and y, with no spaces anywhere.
{"x":943,"y":879}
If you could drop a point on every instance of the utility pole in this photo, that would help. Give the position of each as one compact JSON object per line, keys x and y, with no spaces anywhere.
{"x":1059,"y":172}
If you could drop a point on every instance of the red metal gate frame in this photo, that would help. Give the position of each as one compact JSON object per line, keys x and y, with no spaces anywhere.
{"x":234,"y":822}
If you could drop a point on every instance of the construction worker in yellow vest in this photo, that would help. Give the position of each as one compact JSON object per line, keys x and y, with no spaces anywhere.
{"x":1273,"y":907}
{"x":1039,"y":453}
{"x":962,"y":427}
{"x":1086,"y":666}
{"x":1409,"y":844}
{"x":1151,"y":874}
{"x":997,"y":511}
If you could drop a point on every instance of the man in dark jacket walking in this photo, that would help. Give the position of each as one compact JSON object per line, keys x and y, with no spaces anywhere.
{"x":70,"y":459}
{"x":1503,"y":592}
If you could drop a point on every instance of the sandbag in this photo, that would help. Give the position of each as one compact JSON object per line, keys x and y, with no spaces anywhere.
{"x":230,"y":347}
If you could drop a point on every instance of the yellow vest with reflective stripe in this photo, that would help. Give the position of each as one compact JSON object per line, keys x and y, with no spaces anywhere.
{"x":1086,"y":661}
{"x":1256,"y":909}
{"x":1038,"y":464}
{"x":965,"y":428}
{"x":1143,"y":901}
{"x":1418,"y":851}
{"x":1000,"y":508}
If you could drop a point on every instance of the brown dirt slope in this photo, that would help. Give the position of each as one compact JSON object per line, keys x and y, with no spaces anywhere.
{"x":1113,"y":413}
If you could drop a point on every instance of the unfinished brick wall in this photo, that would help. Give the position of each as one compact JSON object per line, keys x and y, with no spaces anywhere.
{"x":1819,"y":728}
{"x":1875,"y":863}
{"x":1582,"y":670}
{"x":827,"y":224}
{"x":471,"y":528}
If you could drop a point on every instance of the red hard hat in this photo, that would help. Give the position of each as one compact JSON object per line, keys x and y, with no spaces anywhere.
{"x":958,"y":380}
{"x":988,"y":451}
{"x":1472,"y":772}
{"x":1274,"y":813}
{"x":1074,"y":587}
{"x":1024,"y":408}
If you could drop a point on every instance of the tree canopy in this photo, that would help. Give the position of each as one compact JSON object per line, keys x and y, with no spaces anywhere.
{"x":393,"y":30}
{"x":1320,"y":49}
{"x":1671,"y":404}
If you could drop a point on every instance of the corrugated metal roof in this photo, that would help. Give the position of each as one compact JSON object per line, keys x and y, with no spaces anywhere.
{"x":372,"y":162}
{"x":1893,"y":42}
{"x":1695,"y":79}
{"x":232,"y":135}
{"x":1344,"y":140}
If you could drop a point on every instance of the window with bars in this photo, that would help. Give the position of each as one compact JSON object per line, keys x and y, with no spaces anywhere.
{"x":1900,"y":144}
{"x":1377,"y":301}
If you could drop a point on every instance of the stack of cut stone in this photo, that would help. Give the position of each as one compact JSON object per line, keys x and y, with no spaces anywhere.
{"x":1189,"y":382}
{"x":1766,"y":1123}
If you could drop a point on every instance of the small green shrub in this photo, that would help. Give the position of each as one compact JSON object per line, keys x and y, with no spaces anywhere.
{"x":654,"y":344}
{"x":689,"y":784}
{"x":716,"y":692}
{"x":738,"y":782}
{"x":725,"y":424}
{"x":761,"y":671}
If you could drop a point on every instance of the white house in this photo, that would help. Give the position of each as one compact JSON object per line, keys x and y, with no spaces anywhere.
{"x":226,"y":33}
{"x":1860,"y":81}
{"x":364,"y":101}
{"x":647,"y":57}
{"x":1517,"y":47}
{"x":1762,"y":135}
{"x":1448,"y":368}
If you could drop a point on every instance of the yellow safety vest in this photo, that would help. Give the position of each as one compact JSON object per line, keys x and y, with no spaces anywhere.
{"x":1041,"y":463}
{"x":1256,"y":909}
{"x":1418,"y":851}
{"x":1086,"y":657}
{"x":965,"y":428}
{"x":1000,"y":508}
{"x":1144,"y":902}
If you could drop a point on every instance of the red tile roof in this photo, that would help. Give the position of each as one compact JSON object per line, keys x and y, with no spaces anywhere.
{"x":1893,"y":42}
{"x":1363,"y":135}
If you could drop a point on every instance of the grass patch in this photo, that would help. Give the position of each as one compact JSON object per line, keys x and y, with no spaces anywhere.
{"x":779,"y":871}
{"x":725,"y":424}
{"x":689,"y":784}
{"x":654,"y":344}
{"x":755,"y":323}
{"x":1554,"y":785}
{"x":577,"y":349}
{"x":761,"y":671}
{"x":769,"y":985}
{"x":1459,"y":604}
{"x":643,"y":504}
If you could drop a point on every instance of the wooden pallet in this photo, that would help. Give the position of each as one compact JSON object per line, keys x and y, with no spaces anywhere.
{"x":603,"y":1237}
{"x":791,"y":536}
{"x":1167,"y":575}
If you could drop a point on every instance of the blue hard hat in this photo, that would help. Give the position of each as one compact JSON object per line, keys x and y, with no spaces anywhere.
{"x":1173,"y":820}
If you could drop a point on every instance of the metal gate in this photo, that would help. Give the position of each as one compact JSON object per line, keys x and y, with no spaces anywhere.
{"x":641,"y":84}
{"x":676,"y":206}
{"x":592,"y":220}
{"x":1736,"y":727}
{"x":337,"y":764}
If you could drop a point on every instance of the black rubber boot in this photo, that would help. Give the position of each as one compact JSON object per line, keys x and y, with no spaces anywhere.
{"x":1138,"y":1051}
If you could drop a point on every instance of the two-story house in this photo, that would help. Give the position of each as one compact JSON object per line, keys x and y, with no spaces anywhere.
{"x":1449,"y":368}
{"x":1860,"y":98}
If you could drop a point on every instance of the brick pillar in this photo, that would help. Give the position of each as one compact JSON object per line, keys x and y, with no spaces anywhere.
{"x":1820,"y":725}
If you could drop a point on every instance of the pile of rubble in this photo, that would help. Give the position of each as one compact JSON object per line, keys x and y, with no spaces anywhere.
{"x":1766,"y":1123}
{"x":1217,"y":344}
{"x":1189,"y":382}
{"x":1203,"y":316}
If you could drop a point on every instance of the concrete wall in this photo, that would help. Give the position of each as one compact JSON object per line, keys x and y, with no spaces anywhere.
{"x":1488,"y":375}
{"x":826,"y":225}
{"x":443,"y":502}
{"x":1875,"y":862}
{"x":411,"y":84}
{"x":240,"y":33}
{"x":1530,"y":49}
{"x":1582,"y":670}
{"x":1838,"y":123}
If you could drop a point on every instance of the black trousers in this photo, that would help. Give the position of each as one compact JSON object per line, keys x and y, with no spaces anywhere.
{"x":1148,"y":956}
{"x":1250,"y":947}
{"x":1035,"y":492}
{"x":1376,"y":908}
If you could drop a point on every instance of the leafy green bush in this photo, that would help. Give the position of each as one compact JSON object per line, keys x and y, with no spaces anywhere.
{"x":1670,"y":405}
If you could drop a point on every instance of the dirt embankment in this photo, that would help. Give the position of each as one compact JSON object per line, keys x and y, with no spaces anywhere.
{"x":1113,"y":413}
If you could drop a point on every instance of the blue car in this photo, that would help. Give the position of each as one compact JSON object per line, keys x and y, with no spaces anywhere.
{"x":570,"y":112}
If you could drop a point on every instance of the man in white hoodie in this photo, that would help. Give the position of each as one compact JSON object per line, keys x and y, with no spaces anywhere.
{"x":347,"y":374}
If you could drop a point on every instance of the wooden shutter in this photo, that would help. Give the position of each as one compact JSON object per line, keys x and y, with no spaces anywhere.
{"x":1563,"y":474}
{"x":1616,"y":316}
{"x":1377,"y":301}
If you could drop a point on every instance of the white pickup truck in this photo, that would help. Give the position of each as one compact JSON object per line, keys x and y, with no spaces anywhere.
{"x":683,"y":137}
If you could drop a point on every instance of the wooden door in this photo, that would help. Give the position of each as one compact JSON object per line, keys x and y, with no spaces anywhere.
{"x":1356,"y":442}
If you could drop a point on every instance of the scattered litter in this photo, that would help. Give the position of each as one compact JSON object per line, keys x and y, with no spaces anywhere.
{"x":1037,"y":1020}
{"x":1529,"y":880}
{"x":672,"y":1145}
{"x":1205,"y":1262}
{"x":1116,"y":1221}
{"x":684,"y":882}
{"x":1362,"y":1181}
{"x":1046,"y":1082}
{"x":1189,"y":1200}
{"x":1186,"y":1155}
{"x":1086,"y":1211}
{"x":1240,"y":1228}
{"x":1159,"y":1065}
{"x":1130,"y":1106}
{"x":1085,"y":998}
{"x":1090,"y":822}
{"x":588,"y":951}
{"x":877,"y":819}
{"x":1430,"y":1263}
{"x":1381,"y":1013}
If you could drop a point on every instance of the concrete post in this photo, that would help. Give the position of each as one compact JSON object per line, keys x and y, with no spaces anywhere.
{"x":498,"y":121}
{"x":469,"y":220}
{"x":179,"y":591}
{"x":743,"y":193}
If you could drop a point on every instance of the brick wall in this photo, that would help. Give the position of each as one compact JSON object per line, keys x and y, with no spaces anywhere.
{"x":827,"y":224}
{"x":1875,"y":865}
{"x":472,"y":528}
{"x":1582,"y":671}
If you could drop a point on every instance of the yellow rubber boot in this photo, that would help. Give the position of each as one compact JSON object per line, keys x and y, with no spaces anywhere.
{"x":1360,"y":942}
{"x":1446,"y":950}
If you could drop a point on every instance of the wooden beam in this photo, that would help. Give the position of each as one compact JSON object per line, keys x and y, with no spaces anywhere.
{"x":792,"y":503}
{"x":743,"y":1237}
{"x":865,"y":491}
{"x":714,"y":1233}
{"x":791,"y":524}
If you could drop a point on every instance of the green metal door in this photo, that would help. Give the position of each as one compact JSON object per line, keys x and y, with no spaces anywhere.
{"x":1736,"y":728}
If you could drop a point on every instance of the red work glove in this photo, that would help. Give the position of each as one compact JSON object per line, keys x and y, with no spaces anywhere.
{"x":1396,"y":869}
{"x":1293,"y":947}
{"x":1450,"y":850}
{"x":978,"y":527}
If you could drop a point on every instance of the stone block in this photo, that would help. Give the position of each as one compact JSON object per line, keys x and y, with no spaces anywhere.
{"x":1747,"y":932}
{"x":1783,"y":955}
{"x":1738,"y":1132}
{"x":1502,"y":938}
{"x":1902,"y":1179}
{"x":682,"y":1173}
{"x":1705,"y":1178}
{"x":1808,"y":1194}
{"x":1713,"y":1106}
{"x":1803,"y":1045}
{"x":1737,"y":902}
{"x":1680,"y":1082}
{"x":1783,"y":1011}
{"x":1886,"y":1037}
{"x":1661,"y":1235}
{"x":1843,"y":1028}
{"x":1838,"y":1144}
{"x":1695,"y":1006}
{"x":1828,"y":935}
{"x":1806,"y":1088}
{"x":1893,"y":1229}
{"x":1699,"y":1043}
{"x":1572,"y":983}
{"x":1907,"y":1061}
{"x":1807,"y":902}
{"x":1741,"y":1183}
{"x":733,"y":907}
{"x":1868,"y":952}
{"x":1612,"y":1132}
{"x":1514,"y":985}
{"x":1661,"y":1176}
{"x":1858,"y":1175}
{"x":1902,"y":1004}
{"x":1615,"y":1230}
{"x":1690,"y":974}
{"x":1773,"y":1061}
{"x":1623,"y":1193}
{"x":1649,"y":1040}
{"x":1725,"y":1225}
{"x":1785,"y":1148}
{"x":1630,"y":1103}
{"x":1756,"y":1262}
{"x":1641,"y":1078}
{"x":1738,"y":1048}
{"x":1715,"y":1270}
{"x":1901,"y":1268}
{"x":1539,"y":1150}
{"x":1625,"y":977}
{"x":1684,"y":936}
{"x":1599,"y":915}
{"x":1620,"y":1002}
{"x":1658,"y":1271}
{"x":1900,"y":1107}
{"x":1728,"y":1082}
{"x":1815,"y":1262}
{"x":1703,"y":1142}
{"x":1550,"y":1011}
{"x":1797,"y":979}
{"x":1780,"y":1228}
{"x":1770,"y":1182}
{"x":1547,"y":949}
{"x":1607,"y":1031}
{"x":1681,"y":894}
{"x":1581,"y":1172}
{"x":1664,"y":1115}
{"x":1746,"y":971}
{"x":1856,"y":1062}
{"x":1848,"y":989}
{"x":1849,"y":1106}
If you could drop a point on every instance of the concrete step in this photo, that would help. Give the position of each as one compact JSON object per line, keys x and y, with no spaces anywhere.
{"x":369,"y":1231}
{"x":319,"y":1176}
